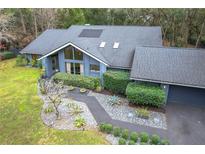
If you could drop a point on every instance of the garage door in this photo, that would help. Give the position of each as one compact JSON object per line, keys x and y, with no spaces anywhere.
{"x":186,"y":95}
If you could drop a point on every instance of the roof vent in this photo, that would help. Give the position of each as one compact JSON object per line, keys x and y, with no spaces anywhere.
{"x":116,"y":45}
{"x":102,"y":44}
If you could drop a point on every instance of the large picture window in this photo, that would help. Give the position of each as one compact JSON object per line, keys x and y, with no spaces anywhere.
{"x":73,"y":54}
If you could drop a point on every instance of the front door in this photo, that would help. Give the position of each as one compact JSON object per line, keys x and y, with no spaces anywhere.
{"x":74,"y":68}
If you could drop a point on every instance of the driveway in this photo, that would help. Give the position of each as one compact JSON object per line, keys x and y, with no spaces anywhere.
{"x":186,"y":124}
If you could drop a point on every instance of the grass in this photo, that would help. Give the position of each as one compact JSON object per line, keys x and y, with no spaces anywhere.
{"x":20,"y":108}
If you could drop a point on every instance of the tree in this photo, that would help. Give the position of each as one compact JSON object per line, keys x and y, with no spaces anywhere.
{"x":53,"y":92}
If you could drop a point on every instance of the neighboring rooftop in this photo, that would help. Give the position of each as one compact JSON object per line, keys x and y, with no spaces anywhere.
{"x":178,"y":66}
{"x":89,"y":39}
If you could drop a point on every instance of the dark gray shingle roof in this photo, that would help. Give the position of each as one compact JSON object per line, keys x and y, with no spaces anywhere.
{"x":127,"y":36}
{"x":170,"y":65}
{"x":45,"y":42}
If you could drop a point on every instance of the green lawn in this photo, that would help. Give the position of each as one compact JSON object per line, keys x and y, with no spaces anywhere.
{"x":20,"y":107}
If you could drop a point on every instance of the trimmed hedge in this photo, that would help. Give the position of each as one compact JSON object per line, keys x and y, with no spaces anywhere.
{"x":116,"y":81}
{"x":77,"y":80}
{"x":7,"y":55}
{"x":145,"y":94}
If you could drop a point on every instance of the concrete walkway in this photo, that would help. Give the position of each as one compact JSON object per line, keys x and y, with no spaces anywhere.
{"x":101,"y":115}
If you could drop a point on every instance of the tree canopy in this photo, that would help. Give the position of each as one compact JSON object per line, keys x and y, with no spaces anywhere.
{"x":180,"y":27}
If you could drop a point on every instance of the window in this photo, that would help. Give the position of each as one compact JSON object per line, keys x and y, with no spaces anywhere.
{"x":68,"y":52}
{"x":74,"y":68}
{"x":116,"y":45}
{"x":73,"y":54}
{"x":78,"y":55}
{"x":94,"y":68}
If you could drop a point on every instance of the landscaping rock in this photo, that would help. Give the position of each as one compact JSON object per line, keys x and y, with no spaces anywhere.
{"x":126,"y":113}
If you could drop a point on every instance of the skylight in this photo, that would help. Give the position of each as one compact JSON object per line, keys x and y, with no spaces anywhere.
{"x":102,"y":44}
{"x":116,"y":45}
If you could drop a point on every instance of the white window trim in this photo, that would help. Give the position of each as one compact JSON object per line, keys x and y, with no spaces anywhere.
{"x":54,"y":51}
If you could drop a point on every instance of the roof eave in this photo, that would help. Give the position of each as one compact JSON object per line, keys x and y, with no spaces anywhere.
{"x":166,"y":82}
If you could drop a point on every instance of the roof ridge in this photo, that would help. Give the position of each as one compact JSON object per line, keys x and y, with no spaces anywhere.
{"x":116,"y":26}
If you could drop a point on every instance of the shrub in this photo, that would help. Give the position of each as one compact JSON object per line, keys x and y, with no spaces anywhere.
{"x":131,"y":142}
{"x":114,"y":100}
{"x":102,"y":127}
{"x":49,"y":109}
{"x":155,"y":139}
{"x":144,"y":137}
{"x":125,"y":134}
{"x":143,"y":113}
{"x":7,"y":55}
{"x":79,"y":122}
{"x":145,"y":94}
{"x":75,"y":109}
{"x":117,"y":131}
{"x":42,"y":86}
{"x":77,"y":80}
{"x":143,"y":143}
{"x":21,"y":61}
{"x":134,"y":136}
{"x":122,"y":141}
{"x":164,"y":142}
{"x":33,"y":63}
{"x":105,"y":127}
{"x":98,"y":88}
{"x":108,"y":128}
{"x":116,"y":81}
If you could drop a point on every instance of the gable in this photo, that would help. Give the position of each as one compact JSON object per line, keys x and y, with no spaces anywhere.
{"x":73,"y":45}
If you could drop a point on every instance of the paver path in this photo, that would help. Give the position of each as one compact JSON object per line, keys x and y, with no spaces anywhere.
{"x":101,"y":115}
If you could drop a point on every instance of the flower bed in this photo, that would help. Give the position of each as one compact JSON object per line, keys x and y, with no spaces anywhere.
{"x":126,"y":113}
{"x":74,"y":115}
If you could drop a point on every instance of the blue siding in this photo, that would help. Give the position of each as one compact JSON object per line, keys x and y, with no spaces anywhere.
{"x":61,"y":61}
{"x":48,"y":66}
{"x":86,"y":62}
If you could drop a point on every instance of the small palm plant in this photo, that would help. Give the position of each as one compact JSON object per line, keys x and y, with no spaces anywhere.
{"x":114,"y":100}
{"x":80,"y":122}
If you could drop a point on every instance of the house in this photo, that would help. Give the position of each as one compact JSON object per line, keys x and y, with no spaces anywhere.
{"x":91,"y":50}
